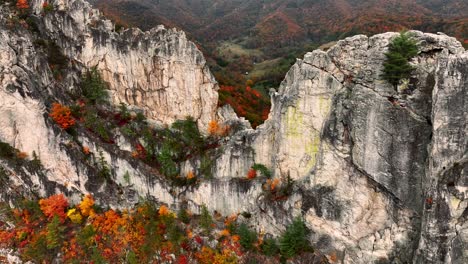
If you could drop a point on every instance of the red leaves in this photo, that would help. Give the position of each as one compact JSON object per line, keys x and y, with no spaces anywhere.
{"x":182,"y":259}
{"x":140,"y":152}
{"x":54,"y":205}
{"x":115,"y":235}
{"x":62,"y":116}
{"x":22,"y":4}
{"x":252,"y":174}
{"x":246,"y":102}
{"x":198,"y":239}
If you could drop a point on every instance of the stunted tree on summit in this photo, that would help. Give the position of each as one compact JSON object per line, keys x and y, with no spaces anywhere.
{"x":396,"y":66}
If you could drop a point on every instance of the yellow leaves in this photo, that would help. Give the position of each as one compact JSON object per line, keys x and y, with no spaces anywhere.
{"x":74,"y":216}
{"x":86,"y":206}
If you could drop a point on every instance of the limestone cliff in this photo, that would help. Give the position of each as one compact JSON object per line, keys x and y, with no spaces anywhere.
{"x":380,"y":174}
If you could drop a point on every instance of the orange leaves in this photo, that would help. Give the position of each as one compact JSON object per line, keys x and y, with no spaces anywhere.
{"x":22,"y":155}
{"x":6,"y":238}
{"x":164,"y":211}
{"x":252,"y":174}
{"x":86,"y":206}
{"x":190,"y":175}
{"x":54,"y":205}
{"x":224,"y":233}
{"x":145,"y":233}
{"x":230,"y":220}
{"x":86,"y":150}
{"x":62,"y":116}
{"x":205,"y":256}
{"x":272,"y":184}
{"x":109,"y":222}
{"x":22,"y":4}
{"x":215,"y":129}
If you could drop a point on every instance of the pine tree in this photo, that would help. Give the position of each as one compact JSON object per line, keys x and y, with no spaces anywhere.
{"x":247,"y":237}
{"x":396,"y":65}
{"x":94,"y":87}
{"x":206,"y":220}
{"x":54,"y":233}
{"x":294,"y":239}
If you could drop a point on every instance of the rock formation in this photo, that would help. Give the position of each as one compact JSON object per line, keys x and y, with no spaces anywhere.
{"x":381,"y":175}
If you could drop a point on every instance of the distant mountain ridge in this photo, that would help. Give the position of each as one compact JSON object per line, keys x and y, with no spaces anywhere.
{"x":275,"y":22}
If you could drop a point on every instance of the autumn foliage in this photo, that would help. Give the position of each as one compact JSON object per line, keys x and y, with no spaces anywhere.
{"x":52,"y":230}
{"x":215,"y":129}
{"x":246,"y":102}
{"x":55,"y":205}
{"x":252,"y":174}
{"x":62,"y":116}
{"x":22,"y":4}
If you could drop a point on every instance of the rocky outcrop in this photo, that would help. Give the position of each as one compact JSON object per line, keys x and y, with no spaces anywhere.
{"x":361,"y":151}
{"x":380,"y":174}
{"x":159,"y":71}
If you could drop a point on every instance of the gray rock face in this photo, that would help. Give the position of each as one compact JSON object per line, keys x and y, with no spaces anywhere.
{"x":381,"y":175}
{"x":362,"y":152}
{"x":445,"y":224}
{"x":159,"y":71}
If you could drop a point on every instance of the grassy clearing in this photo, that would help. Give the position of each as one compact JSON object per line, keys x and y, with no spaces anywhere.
{"x":261,"y":69}
{"x":229,"y":49}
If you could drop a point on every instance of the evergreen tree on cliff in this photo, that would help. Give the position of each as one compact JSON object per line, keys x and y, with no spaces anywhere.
{"x":396,"y":65}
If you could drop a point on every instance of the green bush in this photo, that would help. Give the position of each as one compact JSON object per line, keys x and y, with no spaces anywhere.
{"x":262,"y":169}
{"x":183,"y":216}
{"x":206,"y":167}
{"x":168,"y":166}
{"x":396,"y":66}
{"x":123,"y":111}
{"x":104,"y":169}
{"x":187,"y":132}
{"x":206,"y":220}
{"x":270,"y":247}
{"x":95,"y":123}
{"x":247,"y":237}
{"x":294,"y":240}
{"x":7,"y":151}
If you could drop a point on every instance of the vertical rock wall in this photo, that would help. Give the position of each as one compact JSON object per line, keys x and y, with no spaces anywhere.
{"x":159,"y":71}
